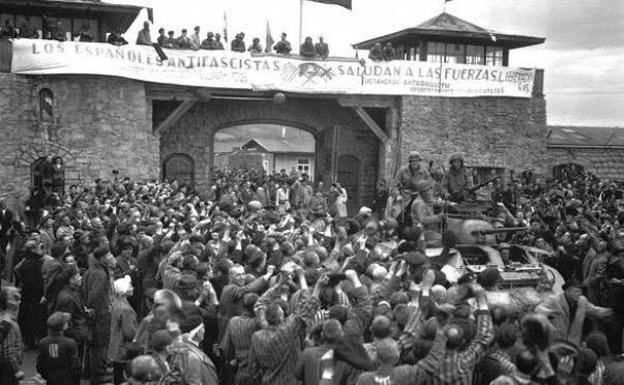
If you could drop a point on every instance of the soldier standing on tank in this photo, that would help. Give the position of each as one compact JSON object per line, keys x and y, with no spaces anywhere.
{"x":408,"y":176}
{"x":456,"y":182}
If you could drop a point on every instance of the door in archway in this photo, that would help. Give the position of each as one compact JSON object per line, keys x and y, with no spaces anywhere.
{"x":179,"y":167}
{"x":349,"y":177}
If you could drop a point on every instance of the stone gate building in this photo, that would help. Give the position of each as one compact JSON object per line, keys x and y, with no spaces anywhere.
{"x":97,"y":124}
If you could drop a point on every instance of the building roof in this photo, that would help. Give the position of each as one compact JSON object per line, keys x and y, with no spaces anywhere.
{"x":583,"y":136}
{"x":281,"y":146}
{"x":75,"y":4}
{"x":124,"y":13}
{"x":450,"y":28}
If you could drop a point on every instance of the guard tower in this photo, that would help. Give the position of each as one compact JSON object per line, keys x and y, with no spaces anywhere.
{"x":452,"y":40}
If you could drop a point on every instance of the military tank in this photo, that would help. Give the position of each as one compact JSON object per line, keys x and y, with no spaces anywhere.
{"x":524,"y":279}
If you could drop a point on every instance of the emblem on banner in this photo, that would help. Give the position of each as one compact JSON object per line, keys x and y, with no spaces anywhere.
{"x":309,"y":72}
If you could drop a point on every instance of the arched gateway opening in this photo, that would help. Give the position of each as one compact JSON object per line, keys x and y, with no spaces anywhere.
{"x":273,"y":148}
{"x":213,"y":132}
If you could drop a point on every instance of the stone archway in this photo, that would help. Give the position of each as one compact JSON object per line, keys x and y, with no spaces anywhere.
{"x":193,"y":133}
{"x":269,"y":144}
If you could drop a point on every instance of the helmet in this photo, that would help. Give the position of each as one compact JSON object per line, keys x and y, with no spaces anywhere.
{"x":503,"y":245}
{"x":414,"y":155}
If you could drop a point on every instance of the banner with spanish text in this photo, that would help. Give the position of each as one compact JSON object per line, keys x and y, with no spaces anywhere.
{"x":266,"y":72}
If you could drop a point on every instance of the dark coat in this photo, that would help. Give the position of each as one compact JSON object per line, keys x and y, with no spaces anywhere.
{"x":96,"y":289}
{"x":58,"y":361}
{"x":69,"y":300}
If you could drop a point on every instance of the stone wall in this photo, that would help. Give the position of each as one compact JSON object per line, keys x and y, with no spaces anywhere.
{"x":488,"y":132}
{"x":98,"y":124}
{"x":604,"y":162}
{"x":194,"y":133}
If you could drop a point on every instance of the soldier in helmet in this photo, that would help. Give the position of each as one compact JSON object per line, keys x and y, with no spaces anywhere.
{"x":408,"y":176}
{"x":456,"y":182}
{"x":422,"y":213}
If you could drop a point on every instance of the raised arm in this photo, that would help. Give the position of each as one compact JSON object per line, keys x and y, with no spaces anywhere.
{"x":485,"y":332}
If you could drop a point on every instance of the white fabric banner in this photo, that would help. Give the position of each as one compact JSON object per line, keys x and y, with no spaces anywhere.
{"x":223,"y":69}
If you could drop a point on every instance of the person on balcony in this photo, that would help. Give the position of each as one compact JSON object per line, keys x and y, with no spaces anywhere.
{"x":307,"y":48}
{"x":145,"y":37}
{"x":162,"y":38}
{"x":238,"y":44}
{"x":322,"y":49}
{"x":218,"y":42}
{"x":184,"y":42}
{"x":376,"y":53}
{"x":115,"y":38}
{"x":255,"y":47}
{"x":171,"y":41}
{"x":209,"y":43}
{"x":389,"y":53}
{"x":283,"y":47}
{"x":195,"y":39}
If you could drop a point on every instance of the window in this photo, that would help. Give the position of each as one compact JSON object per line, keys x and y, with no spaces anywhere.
{"x":46,"y":105}
{"x":475,"y":54}
{"x":303,"y":166}
{"x":455,"y":53}
{"x":435,"y":52}
{"x":265,"y":165}
{"x":494,"y":56}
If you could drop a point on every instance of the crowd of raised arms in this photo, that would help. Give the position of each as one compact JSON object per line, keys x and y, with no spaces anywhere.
{"x":266,"y":279}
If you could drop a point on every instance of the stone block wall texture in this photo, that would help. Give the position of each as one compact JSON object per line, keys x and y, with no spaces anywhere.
{"x":99,"y":124}
{"x":604,"y":162}
{"x":488,"y":132}
{"x":194,"y":133}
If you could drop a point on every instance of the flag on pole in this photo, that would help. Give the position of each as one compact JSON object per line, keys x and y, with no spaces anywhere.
{"x":342,"y":3}
{"x":269,"y":39}
{"x":225,"y":36}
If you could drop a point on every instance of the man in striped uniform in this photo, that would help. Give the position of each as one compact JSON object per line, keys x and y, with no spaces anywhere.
{"x":236,"y":342}
{"x":457,"y":367}
{"x":274,"y":350}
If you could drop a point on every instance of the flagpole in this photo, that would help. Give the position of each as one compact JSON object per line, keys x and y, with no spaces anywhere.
{"x":300,"y":20}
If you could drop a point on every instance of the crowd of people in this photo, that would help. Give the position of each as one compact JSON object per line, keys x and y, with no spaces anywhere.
{"x":168,"y":39}
{"x":213,"y":42}
{"x":379,"y":53}
{"x":266,"y":279}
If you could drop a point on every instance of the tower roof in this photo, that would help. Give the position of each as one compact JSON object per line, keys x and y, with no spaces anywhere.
{"x":449,"y":28}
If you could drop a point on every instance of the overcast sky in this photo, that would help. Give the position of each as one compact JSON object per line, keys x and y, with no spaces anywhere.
{"x":582,"y":56}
